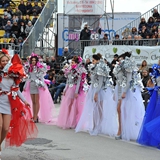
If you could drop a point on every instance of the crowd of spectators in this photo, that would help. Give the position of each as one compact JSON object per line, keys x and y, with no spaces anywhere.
{"x":147,"y":33}
{"x":17,"y":22}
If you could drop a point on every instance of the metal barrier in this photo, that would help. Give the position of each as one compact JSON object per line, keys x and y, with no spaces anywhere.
{"x":36,"y":32}
{"x":77,"y":47}
{"x":136,"y":22}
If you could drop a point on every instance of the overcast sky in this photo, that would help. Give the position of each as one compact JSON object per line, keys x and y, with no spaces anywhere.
{"x":124,"y":5}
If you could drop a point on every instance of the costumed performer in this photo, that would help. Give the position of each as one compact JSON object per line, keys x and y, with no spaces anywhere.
{"x":36,"y":91}
{"x":150,"y":131}
{"x":73,"y":95}
{"x":130,"y":105}
{"x":95,"y":117}
{"x":15,"y":116}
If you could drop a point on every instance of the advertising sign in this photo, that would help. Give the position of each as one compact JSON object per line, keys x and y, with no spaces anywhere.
{"x":84,"y":7}
{"x":70,"y":26}
{"x":140,"y":53}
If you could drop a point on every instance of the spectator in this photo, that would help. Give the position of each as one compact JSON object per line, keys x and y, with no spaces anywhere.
{"x":134,"y":32}
{"x":143,"y":66}
{"x":140,"y":40}
{"x":155,"y":13}
{"x":144,"y":32}
{"x":15,"y":18}
{"x":158,"y":43}
{"x":147,"y":82}
{"x":150,"y":22}
{"x":136,"y":41}
{"x":4,"y":44}
{"x":129,"y":40}
{"x":35,"y":18}
{"x":27,"y":19}
{"x":42,"y":6}
{"x":117,"y":41}
{"x":5,"y":3}
{"x":22,"y":7}
{"x":126,"y":32}
{"x":28,"y":8}
{"x":17,"y":12}
{"x":53,"y":62}
{"x":142,"y":23}
{"x":15,"y":29}
{"x":28,"y":28}
{"x":8,"y":14}
{"x":60,"y":85}
{"x":5,"y":19}
{"x":104,"y":40}
{"x":154,"y":29}
{"x":22,"y":30}
{"x":7,"y":29}
{"x":85,"y":37}
{"x":36,"y":9}
{"x":107,"y":63}
{"x":10,"y":11}
{"x":66,"y":54}
{"x":154,"y":40}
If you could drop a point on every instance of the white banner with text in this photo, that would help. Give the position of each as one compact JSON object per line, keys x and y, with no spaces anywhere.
{"x":86,"y":7}
{"x":140,"y":53}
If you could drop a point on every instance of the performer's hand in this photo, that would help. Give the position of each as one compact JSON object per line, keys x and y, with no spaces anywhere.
{"x":124,"y":95}
{"x":76,"y":95}
{"x":96,"y":97}
{"x":27,"y":104}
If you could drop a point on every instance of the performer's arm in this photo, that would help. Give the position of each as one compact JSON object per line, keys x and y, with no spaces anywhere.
{"x":129,"y":77}
{"x":100,"y":83}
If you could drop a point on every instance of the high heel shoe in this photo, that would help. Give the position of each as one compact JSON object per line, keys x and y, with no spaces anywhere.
{"x":37,"y":120}
{"x":118,"y":137}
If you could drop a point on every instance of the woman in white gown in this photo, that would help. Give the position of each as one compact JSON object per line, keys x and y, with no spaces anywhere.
{"x":95,"y":119}
{"x":130,"y":105}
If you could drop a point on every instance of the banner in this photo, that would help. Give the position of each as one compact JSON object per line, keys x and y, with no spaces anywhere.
{"x":70,"y":26}
{"x":140,"y":53}
{"x":84,"y":7}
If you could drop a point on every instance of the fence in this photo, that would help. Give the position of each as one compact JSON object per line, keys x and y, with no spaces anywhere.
{"x":77,"y":47}
{"x":36,"y":33}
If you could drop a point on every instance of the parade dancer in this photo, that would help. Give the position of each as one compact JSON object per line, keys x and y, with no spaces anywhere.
{"x":150,"y":131}
{"x":73,"y":95}
{"x":36,"y":91}
{"x":15,"y":115}
{"x":99,"y":99}
{"x":130,"y":106}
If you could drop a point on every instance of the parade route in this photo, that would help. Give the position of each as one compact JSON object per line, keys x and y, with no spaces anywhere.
{"x":54,"y":143}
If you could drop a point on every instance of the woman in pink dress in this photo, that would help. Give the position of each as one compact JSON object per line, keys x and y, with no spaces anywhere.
{"x":73,"y":95}
{"x":36,"y":91}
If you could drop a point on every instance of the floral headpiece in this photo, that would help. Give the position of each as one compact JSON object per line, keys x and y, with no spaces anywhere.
{"x":5,"y":53}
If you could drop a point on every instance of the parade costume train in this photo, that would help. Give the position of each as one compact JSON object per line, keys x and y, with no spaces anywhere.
{"x":150,"y":130}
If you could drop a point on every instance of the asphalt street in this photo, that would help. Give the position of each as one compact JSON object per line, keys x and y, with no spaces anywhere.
{"x":54,"y":143}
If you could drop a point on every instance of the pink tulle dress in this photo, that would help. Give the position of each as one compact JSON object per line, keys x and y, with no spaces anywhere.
{"x":35,"y":85}
{"x":71,"y":107}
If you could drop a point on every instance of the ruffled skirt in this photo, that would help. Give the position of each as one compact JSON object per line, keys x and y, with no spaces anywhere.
{"x":70,"y":109}
{"x":21,"y":125}
{"x":98,"y":117}
{"x":150,"y":130}
{"x":47,"y":109}
{"x":132,"y":113}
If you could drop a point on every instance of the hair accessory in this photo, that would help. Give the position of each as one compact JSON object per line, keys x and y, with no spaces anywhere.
{"x":80,"y":59}
{"x":4,"y":51}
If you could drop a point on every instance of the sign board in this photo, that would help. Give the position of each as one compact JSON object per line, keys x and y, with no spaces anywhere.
{"x":70,"y":26}
{"x":84,"y":7}
{"x":140,"y":53}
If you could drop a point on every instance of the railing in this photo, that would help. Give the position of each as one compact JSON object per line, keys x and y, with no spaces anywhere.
{"x":77,"y":47}
{"x":136,"y":22}
{"x":30,"y":43}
